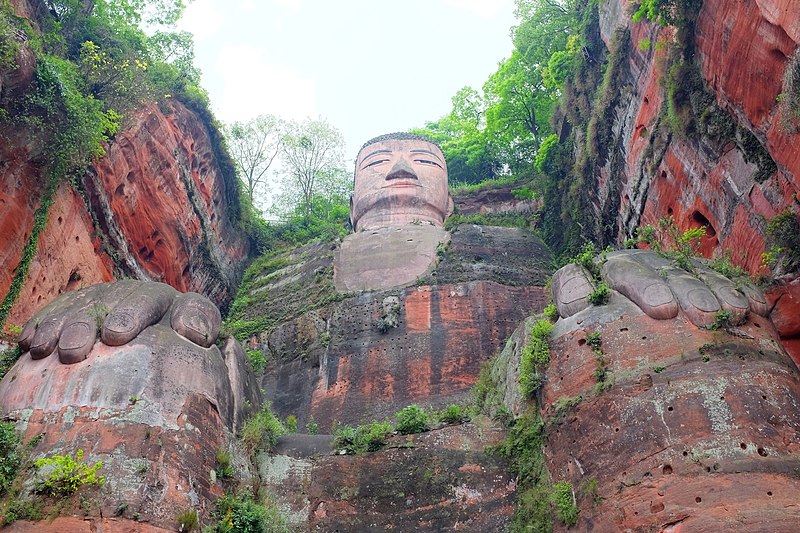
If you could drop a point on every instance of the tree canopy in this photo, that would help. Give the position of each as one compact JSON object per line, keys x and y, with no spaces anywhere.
{"x":498,"y":131}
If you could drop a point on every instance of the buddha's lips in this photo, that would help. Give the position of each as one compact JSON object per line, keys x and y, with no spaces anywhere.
{"x":401,"y":185}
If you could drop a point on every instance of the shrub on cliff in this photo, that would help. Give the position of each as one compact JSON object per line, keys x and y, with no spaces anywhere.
{"x":241,"y":513}
{"x":262,"y":431}
{"x":535,"y":357}
{"x":783,"y":239}
{"x":361,"y":439}
{"x":9,"y":455}
{"x":412,"y":419}
{"x":62,"y":475}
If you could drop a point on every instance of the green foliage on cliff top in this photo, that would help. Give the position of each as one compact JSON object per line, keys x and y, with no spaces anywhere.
{"x":496,"y":132}
{"x":94,"y":67}
{"x":362,"y":439}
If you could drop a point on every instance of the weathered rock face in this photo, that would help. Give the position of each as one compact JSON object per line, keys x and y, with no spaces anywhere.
{"x":163,"y":202}
{"x":370,"y":355}
{"x":154,"y":409}
{"x":156,"y":207}
{"x":438,"y":481}
{"x":784,"y":299}
{"x":741,"y":166}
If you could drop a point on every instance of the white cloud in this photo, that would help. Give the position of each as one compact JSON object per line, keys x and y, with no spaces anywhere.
{"x":252,"y":86}
{"x":202,"y":18}
{"x":481,"y":8}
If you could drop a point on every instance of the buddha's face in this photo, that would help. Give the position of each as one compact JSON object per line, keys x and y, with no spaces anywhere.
{"x":398,"y":182}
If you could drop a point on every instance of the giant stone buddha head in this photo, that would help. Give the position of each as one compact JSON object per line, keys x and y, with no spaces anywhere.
{"x":399,"y":178}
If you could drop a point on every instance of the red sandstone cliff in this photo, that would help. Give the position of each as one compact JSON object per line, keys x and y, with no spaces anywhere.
{"x":742,"y":49}
{"x":156,"y":206}
{"x":739,"y":166}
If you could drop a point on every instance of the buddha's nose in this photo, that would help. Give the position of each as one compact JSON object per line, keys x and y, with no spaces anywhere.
{"x":401,"y":170}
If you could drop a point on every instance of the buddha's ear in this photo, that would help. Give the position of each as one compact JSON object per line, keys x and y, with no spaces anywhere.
{"x":450,"y":206}
{"x":352,"y":223}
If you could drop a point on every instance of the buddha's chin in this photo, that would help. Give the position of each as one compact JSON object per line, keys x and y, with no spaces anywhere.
{"x":378,"y":217}
{"x":402,"y":206}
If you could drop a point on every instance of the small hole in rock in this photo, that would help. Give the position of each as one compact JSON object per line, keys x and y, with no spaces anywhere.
{"x":581,"y":342}
{"x":623,"y":329}
{"x":743,"y":446}
{"x":698,"y":499}
{"x":644,"y":338}
{"x":685,"y":454}
{"x":667,"y":470}
{"x":762,"y":452}
{"x":669,"y":408}
{"x":769,"y":493}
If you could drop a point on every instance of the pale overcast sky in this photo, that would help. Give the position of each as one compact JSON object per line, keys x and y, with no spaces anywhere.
{"x":367,"y":66}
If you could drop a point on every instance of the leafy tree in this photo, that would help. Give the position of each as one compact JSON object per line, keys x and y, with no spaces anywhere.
{"x":313,"y":161}
{"x":177,"y":50}
{"x":254,"y":146}
{"x":519,"y":109}
{"x":463,"y":138}
{"x":545,"y":26}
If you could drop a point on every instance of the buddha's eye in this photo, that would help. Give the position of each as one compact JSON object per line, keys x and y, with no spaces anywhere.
{"x":428,"y":162}
{"x":376,"y":162}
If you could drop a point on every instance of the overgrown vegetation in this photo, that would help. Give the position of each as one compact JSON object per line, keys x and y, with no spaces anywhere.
{"x":187,"y":520}
{"x":412,"y":419}
{"x":243,"y":513}
{"x":94,"y":67}
{"x":10,"y":459}
{"x":8,"y":357}
{"x":538,"y":500}
{"x":535,"y":357}
{"x":668,"y":240}
{"x":362,"y":439}
{"x":595,"y":341}
{"x":508,"y":220}
{"x":600,"y":294}
{"x":783,"y":242}
{"x":262,"y":431}
{"x":564,"y":500}
{"x":63,"y":475}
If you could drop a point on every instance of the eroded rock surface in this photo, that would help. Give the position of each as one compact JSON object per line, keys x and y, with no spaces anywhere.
{"x":442,"y":480}
{"x":738,"y":165}
{"x":133,"y":219}
{"x":352,"y":357}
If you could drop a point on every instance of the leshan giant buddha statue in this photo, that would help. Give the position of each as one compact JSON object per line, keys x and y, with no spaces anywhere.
{"x":399,"y":204}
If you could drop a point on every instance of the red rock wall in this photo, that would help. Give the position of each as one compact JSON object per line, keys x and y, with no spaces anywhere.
{"x":161,"y":198}
{"x":697,"y":433}
{"x":68,"y":257}
{"x":742,"y":49}
{"x":158,"y":208}
{"x":432,"y":358}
